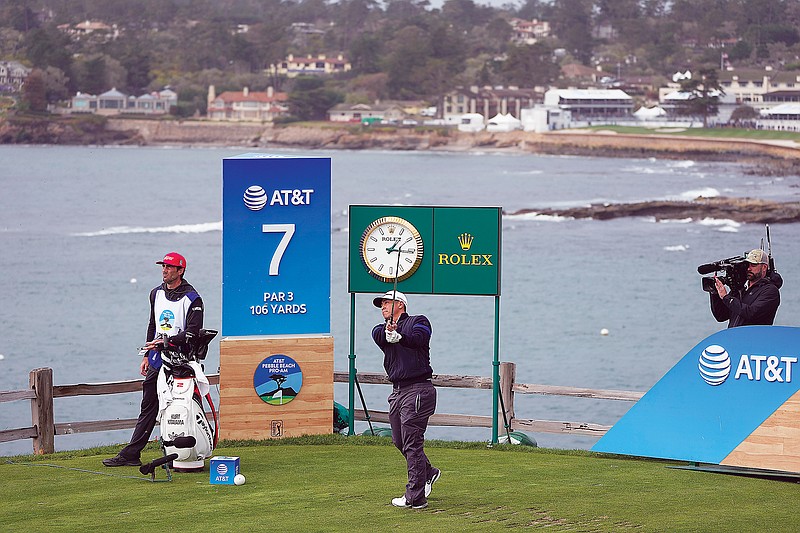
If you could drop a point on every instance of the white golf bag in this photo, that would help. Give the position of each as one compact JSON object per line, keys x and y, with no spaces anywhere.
{"x":182,"y":385}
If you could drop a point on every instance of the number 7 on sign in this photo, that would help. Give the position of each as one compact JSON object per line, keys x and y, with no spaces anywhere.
{"x":288,"y":231}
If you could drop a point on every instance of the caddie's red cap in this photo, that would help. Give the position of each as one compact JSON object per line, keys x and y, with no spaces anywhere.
{"x":174,"y":259}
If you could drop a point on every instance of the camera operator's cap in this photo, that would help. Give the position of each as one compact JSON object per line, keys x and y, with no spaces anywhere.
{"x":173,"y":259}
{"x":757,"y":256}
{"x":391,"y":295}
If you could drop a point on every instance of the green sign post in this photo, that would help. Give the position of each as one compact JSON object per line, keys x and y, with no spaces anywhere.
{"x":443,"y":250}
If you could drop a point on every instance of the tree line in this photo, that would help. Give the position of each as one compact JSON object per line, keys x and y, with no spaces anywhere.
{"x":399,"y":49}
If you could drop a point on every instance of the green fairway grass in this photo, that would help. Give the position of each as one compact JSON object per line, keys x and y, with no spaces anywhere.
{"x":711,"y":133}
{"x":334,"y":483}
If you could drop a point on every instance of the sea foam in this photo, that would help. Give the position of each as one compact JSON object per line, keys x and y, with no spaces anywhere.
{"x":706,"y":192}
{"x":178,"y":228}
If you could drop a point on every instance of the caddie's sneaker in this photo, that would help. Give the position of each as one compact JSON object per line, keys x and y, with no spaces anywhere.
{"x":401,"y":502}
{"x":119,"y":460}
{"x":429,"y":484}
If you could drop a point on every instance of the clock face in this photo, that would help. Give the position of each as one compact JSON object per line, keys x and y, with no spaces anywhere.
{"x":391,"y":248}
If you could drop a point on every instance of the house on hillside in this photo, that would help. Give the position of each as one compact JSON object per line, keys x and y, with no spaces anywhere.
{"x":529,"y":31}
{"x":12,"y":76}
{"x":247,"y":105}
{"x":91,"y":27}
{"x":320,"y":65}
{"x":749,"y":86}
{"x":488,"y":101}
{"x":379,"y":111}
{"x":115,"y":102}
{"x":577,"y":74}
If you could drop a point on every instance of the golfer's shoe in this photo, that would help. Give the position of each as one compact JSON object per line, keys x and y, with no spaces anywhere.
{"x":401,"y":502}
{"x":119,"y":460}
{"x":429,"y":484}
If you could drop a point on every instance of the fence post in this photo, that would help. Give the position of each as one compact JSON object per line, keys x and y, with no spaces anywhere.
{"x":41,"y":381}
{"x":508,"y":376}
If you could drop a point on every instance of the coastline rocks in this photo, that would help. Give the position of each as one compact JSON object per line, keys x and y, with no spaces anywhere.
{"x":77,"y":130}
{"x":766,"y":158}
{"x":748,"y":210}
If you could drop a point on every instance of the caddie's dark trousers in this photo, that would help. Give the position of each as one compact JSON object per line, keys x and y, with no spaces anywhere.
{"x":410,"y":407}
{"x":147,"y":417}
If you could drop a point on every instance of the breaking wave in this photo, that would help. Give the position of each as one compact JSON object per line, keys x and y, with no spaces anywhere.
{"x":539,"y":217}
{"x":178,"y":228}
{"x":706,"y":192}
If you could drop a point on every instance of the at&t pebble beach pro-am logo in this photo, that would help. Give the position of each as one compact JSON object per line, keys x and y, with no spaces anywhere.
{"x":715,"y":366}
{"x":166,"y":320}
{"x":278,"y":379}
{"x":256,"y":198}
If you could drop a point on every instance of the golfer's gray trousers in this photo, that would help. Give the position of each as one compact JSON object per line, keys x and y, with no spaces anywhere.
{"x":410,"y":407}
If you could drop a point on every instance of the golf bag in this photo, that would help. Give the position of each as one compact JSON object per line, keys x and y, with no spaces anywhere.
{"x":182,"y":385}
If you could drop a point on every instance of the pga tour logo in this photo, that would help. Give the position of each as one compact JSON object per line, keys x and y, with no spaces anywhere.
{"x":715,"y":366}
{"x":256,"y":198}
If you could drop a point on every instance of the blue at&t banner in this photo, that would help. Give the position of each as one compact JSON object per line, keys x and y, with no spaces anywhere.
{"x":733,"y":400}
{"x":276,"y":251}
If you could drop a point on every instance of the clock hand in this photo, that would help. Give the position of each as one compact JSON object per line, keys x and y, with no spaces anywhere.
{"x":399,"y":250}
{"x":390,"y":250}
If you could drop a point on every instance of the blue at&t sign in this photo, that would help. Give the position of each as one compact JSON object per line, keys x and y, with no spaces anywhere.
{"x":276,"y":251}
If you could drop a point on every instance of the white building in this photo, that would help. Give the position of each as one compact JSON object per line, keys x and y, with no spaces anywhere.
{"x":114,"y":102}
{"x":591,"y":104}
{"x":12,"y":75}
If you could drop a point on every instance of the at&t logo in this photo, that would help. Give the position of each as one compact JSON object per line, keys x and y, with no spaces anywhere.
{"x":256,"y":198}
{"x":715,"y":366}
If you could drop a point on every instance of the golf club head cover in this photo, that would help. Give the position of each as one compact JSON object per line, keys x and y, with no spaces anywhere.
{"x":181,"y":442}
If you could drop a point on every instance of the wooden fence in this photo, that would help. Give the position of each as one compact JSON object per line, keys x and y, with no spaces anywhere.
{"x":43,"y":426}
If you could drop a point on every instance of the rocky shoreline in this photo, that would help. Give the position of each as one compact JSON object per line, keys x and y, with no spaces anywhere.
{"x":781,"y":157}
{"x":748,"y":210}
{"x":761,"y":157}
{"x":765,"y":158}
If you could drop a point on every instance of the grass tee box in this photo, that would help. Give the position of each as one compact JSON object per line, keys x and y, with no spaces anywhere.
{"x":223,"y":469}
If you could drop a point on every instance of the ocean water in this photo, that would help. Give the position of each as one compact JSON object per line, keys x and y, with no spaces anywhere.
{"x":81,"y":229}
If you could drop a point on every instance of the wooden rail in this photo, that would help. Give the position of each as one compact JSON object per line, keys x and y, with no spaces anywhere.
{"x":43,"y":427}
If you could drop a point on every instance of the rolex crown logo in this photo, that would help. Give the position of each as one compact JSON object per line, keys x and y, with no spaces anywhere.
{"x":392,"y":230}
{"x":465,"y":240}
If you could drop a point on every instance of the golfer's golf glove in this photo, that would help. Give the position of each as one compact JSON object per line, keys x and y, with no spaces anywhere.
{"x":393,"y":336}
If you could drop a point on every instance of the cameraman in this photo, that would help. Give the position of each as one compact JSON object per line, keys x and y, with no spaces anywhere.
{"x":757,"y":303}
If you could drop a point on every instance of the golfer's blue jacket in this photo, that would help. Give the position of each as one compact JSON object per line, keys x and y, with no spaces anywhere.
{"x":407,"y":361}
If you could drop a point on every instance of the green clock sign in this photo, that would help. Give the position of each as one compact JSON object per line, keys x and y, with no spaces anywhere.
{"x":427,"y":250}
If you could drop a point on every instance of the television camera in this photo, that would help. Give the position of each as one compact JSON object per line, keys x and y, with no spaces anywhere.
{"x":733,"y":269}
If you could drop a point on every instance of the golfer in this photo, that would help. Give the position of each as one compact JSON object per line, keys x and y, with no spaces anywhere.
{"x":405,"y":342}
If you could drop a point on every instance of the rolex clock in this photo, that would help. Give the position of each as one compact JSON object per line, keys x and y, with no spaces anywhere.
{"x":391,"y":249}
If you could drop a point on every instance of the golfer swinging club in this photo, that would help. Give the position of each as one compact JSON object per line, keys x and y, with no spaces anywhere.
{"x":405,"y":342}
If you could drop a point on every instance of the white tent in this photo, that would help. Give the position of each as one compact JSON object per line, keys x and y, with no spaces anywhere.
{"x":503,"y":122}
{"x":471,"y":122}
{"x":649,"y":113}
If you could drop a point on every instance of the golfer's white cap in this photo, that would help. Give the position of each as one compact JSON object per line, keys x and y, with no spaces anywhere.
{"x":391,"y":295}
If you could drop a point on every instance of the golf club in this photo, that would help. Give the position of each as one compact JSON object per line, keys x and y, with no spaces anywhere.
{"x":364,"y":405}
{"x":394,"y":290}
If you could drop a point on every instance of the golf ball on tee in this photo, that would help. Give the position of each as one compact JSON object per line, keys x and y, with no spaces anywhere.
{"x":239,"y":479}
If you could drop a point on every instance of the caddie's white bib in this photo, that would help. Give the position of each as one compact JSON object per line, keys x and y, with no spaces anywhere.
{"x":170,"y":316}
